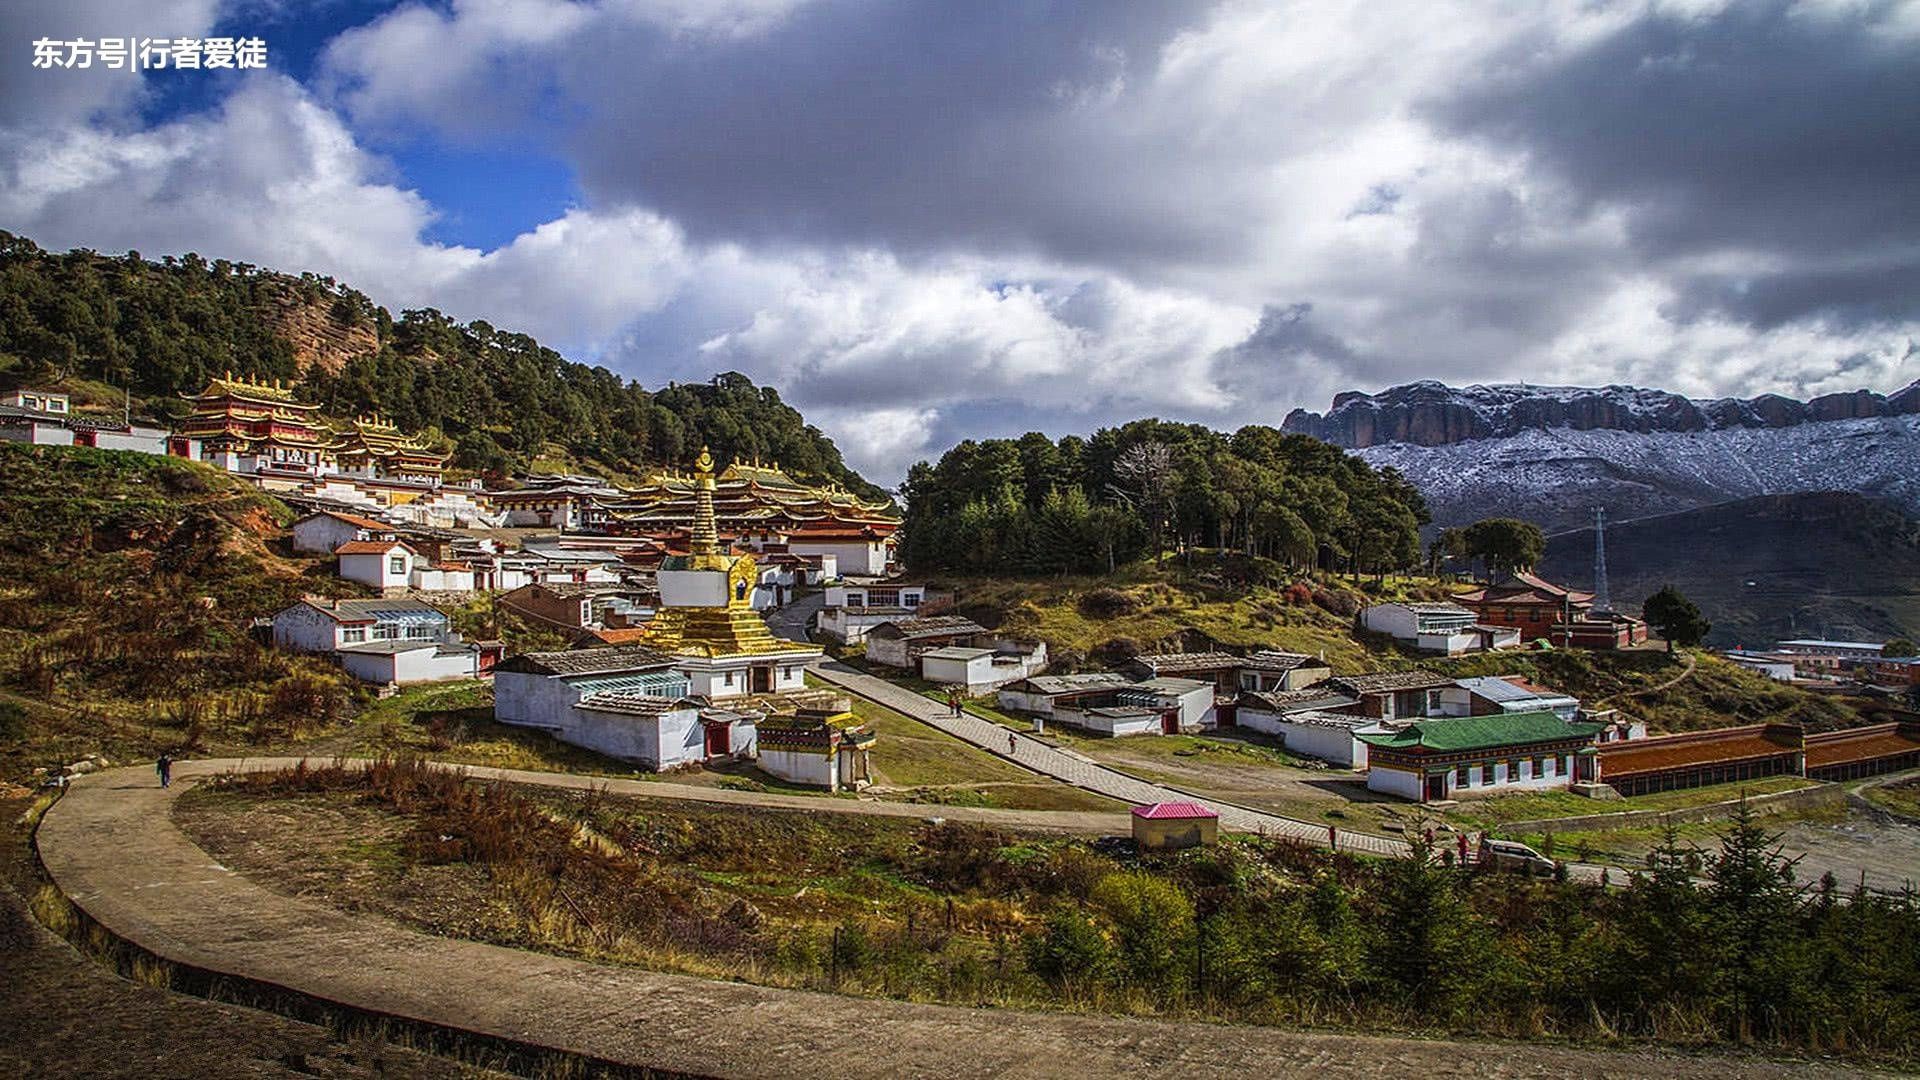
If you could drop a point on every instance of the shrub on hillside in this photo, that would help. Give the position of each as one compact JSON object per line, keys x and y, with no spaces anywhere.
{"x":1339,"y":603}
{"x":1108,"y":604}
{"x":1115,"y":650}
{"x":1298,"y":594}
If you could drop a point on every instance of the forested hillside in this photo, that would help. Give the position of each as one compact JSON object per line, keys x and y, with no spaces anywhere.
{"x":501,"y":400}
{"x":1085,"y":505}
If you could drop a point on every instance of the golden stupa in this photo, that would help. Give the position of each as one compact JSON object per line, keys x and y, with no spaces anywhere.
{"x":732,"y":628}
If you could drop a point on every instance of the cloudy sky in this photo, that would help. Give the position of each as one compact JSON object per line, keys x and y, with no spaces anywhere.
{"x":929,"y":221}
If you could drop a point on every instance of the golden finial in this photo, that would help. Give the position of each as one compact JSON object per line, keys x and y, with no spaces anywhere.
{"x":704,"y":463}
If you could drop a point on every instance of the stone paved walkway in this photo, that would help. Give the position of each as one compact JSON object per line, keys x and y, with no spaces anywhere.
{"x":1080,"y":772}
{"x":110,"y":845}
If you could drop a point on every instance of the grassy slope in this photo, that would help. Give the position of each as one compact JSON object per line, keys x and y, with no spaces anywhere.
{"x":1160,"y":608}
{"x":1717,"y":694}
{"x":127,"y":584}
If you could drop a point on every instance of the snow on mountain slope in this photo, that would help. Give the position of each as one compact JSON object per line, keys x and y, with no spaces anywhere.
{"x":1556,"y":476}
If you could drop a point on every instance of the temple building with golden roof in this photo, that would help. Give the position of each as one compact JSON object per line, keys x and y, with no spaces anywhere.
{"x":245,"y":426}
{"x":761,"y":507}
{"x":373,"y":446}
{"x":259,"y":428}
{"x":706,"y":618}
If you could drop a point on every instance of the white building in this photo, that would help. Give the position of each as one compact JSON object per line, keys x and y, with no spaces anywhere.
{"x":1331,"y":737}
{"x":862,"y":553}
{"x":824,"y":748}
{"x":51,"y":402}
{"x":386,"y":565}
{"x":899,"y":642}
{"x":851,"y":609}
{"x":1435,"y":760}
{"x":628,"y":702}
{"x":1268,"y":711}
{"x":404,"y":662}
{"x":1187,"y":703}
{"x":323,"y":531}
{"x":383,"y":641}
{"x":1444,"y":628}
{"x":1775,"y":666}
{"x":978,"y":670}
{"x":1271,"y":669}
{"x":1505,"y":694}
{"x":1042,"y":694}
{"x":1165,"y":705}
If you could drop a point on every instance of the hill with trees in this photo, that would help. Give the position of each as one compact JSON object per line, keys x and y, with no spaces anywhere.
{"x":1089,"y":505}
{"x":501,"y":401}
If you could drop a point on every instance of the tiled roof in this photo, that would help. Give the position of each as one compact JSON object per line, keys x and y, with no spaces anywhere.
{"x":1165,"y":811}
{"x":1502,"y":688}
{"x":1861,"y":744}
{"x":928,"y":626}
{"x":1288,"y":701}
{"x":1275,"y":660}
{"x":369,"y":610}
{"x":1696,"y":748}
{"x":955,"y":652}
{"x":588,"y":661}
{"x":1175,"y":663}
{"x":1386,"y":681}
{"x":369,"y":547}
{"x":1070,"y":684}
{"x":633,"y":703}
{"x":1481,"y":733}
{"x":354,"y":520}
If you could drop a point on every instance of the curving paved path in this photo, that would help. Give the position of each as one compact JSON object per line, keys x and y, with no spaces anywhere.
{"x":1080,"y":772}
{"x":111,"y":846}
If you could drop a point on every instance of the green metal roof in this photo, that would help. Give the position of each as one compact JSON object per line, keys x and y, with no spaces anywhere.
{"x":1481,"y":732}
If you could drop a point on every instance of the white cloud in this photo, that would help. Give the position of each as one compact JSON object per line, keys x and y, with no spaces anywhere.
{"x":911,"y":220}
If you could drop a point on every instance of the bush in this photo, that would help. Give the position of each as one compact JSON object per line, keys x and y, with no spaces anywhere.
{"x":1339,"y":603}
{"x":1298,"y":594}
{"x":1071,"y":954}
{"x":1108,"y":604}
{"x":1116,"y":650}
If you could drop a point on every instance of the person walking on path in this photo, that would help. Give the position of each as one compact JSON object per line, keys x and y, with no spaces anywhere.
{"x":163,"y":767}
{"x":1013,"y":743}
{"x":953,"y":703}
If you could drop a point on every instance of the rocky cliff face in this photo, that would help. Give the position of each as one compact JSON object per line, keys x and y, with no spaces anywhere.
{"x":318,"y":335}
{"x":1434,"y":414}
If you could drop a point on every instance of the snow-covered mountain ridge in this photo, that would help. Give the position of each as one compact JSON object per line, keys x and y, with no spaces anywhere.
{"x":1556,"y":476}
{"x":1434,"y":414}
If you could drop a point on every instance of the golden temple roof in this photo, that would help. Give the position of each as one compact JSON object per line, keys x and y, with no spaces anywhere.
{"x":229,"y":385}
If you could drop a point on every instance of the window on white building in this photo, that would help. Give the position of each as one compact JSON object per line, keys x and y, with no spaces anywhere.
{"x":727,"y":678}
{"x":1488,"y":774}
{"x":397,"y":564}
{"x":354,"y":636}
{"x":420,"y":632}
{"x":384,"y":633}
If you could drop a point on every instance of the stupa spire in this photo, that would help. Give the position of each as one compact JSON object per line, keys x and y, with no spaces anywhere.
{"x":706,"y":535}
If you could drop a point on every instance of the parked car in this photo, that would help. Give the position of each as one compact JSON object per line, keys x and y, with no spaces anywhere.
{"x":1509,"y":855}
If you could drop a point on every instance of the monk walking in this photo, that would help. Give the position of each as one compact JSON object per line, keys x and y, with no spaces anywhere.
{"x":163,"y":767}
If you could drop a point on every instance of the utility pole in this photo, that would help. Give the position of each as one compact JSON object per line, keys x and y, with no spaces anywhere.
{"x":1602,"y":599}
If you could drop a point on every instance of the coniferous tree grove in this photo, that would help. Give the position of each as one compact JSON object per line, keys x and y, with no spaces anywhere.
{"x":1086,"y":505}
{"x":498,"y":399}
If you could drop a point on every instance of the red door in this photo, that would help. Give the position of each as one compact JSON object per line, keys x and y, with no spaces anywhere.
{"x":719,"y":740}
{"x":1170,"y":722}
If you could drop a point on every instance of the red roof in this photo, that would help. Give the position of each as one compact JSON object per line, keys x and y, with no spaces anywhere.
{"x":357,"y":521}
{"x":368,"y":547}
{"x":1163,"y":811}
